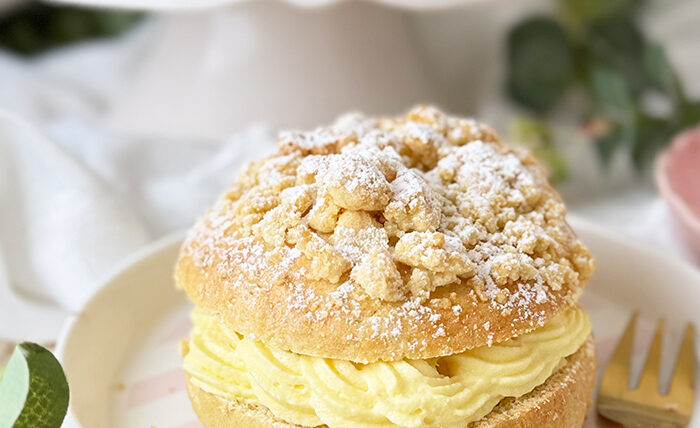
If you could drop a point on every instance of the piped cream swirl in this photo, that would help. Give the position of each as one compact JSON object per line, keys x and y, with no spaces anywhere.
{"x":440,"y":392}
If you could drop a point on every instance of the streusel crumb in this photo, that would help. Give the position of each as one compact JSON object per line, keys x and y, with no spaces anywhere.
{"x":398,"y":208}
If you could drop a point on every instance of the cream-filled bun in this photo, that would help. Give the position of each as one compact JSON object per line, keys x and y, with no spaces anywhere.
{"x":392,"y":272}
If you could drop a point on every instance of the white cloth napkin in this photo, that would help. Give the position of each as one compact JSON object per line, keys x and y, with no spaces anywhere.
{"x":75,"y":200}
{"x":76,"y":203}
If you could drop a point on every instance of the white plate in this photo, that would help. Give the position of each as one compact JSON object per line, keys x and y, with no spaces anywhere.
{"x":121,"y":352}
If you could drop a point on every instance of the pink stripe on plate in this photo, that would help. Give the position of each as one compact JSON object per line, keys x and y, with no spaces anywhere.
{"x":179,"y":332}
{"x":155,"y":388}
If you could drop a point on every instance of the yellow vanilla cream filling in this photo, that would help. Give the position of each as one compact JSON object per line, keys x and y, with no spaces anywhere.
{"x":439,"y":392}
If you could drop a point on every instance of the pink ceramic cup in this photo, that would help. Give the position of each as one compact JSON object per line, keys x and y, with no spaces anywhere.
{"x":678,"y":178}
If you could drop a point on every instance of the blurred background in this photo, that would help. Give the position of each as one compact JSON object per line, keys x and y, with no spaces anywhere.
{"x":121,"y":120}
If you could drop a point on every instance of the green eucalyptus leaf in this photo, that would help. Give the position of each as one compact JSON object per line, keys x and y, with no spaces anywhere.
{"x":613,"y":102}
{"x":533,"y":132}
{"x":536,"y":135}
{"x":619,"y":45}
{"x":68,"y":25}
{"x":582,"y":13}
{"x":557,"y":165}
{"x":607,"y":145}
{"x":659,"y":71}
{"x":14,"y":386}
{"x":34,"y":27}
{"x":690,"y":115}
{"x":541,"y":63}
{"x":652,"y":135}
{"x":114,"y":22}
{"x":611,"y":95}
{"x":662,"y":77}
{"x":21,"y":36}
{"x":620,"y":136}
{"x":33,"y":389}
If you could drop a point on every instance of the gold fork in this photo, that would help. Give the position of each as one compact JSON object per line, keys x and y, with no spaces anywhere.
{"x":645,"y":406}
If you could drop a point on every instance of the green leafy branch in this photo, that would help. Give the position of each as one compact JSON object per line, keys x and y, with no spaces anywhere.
{"x":631,"y":97}
{"x":33,"y":28}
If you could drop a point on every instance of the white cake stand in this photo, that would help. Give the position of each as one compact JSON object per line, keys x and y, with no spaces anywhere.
{"x":218,"y":65}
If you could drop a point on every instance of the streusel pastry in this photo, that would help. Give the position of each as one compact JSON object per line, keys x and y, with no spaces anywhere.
{"x":398,"y":272}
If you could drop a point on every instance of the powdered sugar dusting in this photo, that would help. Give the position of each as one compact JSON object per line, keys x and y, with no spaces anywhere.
{"x":393,"y":211}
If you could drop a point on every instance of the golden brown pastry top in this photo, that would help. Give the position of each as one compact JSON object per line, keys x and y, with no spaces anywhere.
{"x":410,"y":237}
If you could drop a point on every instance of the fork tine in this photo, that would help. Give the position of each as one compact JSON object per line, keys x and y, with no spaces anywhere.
{"x":683,"y":379}
{"x":649,"y":380}
{"x":617,"y":373}
{"x":645,"y":406}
